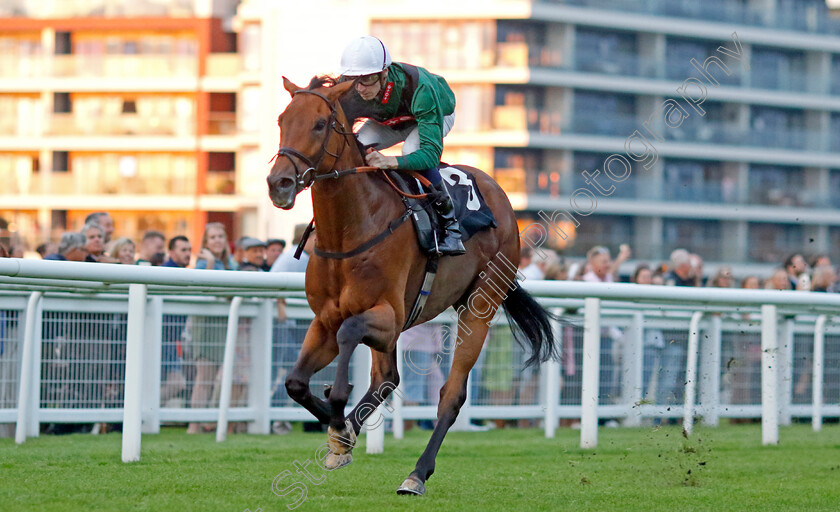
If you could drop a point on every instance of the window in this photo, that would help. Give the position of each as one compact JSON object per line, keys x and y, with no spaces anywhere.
{"x":772,"y":243}
{"x":604,"y":113}
{"x":776,"y":185}
{"x":697,"y":236}
{"x":63,"y":43}
{"x":60,"y":161}
{"x":129,"y":107}
{"x":685,"y":180}
{"x":62,"y":103}
{"x":606,"y":52}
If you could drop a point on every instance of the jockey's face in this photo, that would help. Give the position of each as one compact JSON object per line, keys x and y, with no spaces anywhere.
{"x":368,"y":86}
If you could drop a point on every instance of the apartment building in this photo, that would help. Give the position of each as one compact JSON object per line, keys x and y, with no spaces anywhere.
{"x":128,"y":107}
{"x":546,"y":91}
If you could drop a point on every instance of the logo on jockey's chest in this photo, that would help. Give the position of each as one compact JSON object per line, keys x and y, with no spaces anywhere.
{"x":387,"y":95}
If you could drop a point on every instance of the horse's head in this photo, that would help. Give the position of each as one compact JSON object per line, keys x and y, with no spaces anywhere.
{"x":307,"y":144}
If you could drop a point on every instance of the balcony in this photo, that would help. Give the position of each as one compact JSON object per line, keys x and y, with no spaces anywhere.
{"x":123,"y":66}
{"x":79,"y":182}
{"x":224,"y":65}
{"x":782,"y":81}
{"x":126,"y":124}
{"x":614,"y":125}
{"x":812,"y":19}
{"x":518,"y":117}
{"x":590,"y":61}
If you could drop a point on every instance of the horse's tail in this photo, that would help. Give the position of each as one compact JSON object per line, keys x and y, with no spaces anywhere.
{"x":531,"y":325}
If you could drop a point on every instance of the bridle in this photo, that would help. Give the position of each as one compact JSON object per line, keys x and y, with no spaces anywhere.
{"x":305,"y":179}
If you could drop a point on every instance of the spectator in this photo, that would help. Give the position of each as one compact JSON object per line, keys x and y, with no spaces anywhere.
{"x":527,"y":265}
{"x":253,"y":253}
{"x":70,"y":248}
{"x":46,"y":248}
{"x":819,"y":259}
{"x":215,"y":252}
{"x":104,"y":220}
{"x":152,"y":249}
{"x":681,"y":272}
{"x":697,"y":269}
{"x":180,"y":252}
{"x":780,"y":280}
{"x":722,"y":278}
{"x":238,"y":251}
{"x":95,"y":244}
{"x":286,"y":262}
{"x":824,"y":279}
{"x":794,"y":267}
{"x":208,"y":333}
{"x":4,"y":253}
{"x":603,"y":270}
{"x":290,"y":332}
{"x":274,"y":248}
{"x":173,"y":336}
{"x":422,"y":377}
{"x":123,"y":251}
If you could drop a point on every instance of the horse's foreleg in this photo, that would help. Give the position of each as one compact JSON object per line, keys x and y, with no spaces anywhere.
{"x":383,"y":380}
{"x":376,"y":327}
{"x":318,"y":350}
{"x":452,"y":396}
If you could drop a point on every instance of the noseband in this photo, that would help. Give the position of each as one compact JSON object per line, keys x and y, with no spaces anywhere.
{"x":305,"y":179}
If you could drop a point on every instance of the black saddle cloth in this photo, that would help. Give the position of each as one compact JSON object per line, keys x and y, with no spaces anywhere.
{"x":470,"y":207}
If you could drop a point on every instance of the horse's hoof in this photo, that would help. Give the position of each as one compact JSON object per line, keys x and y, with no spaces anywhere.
{"x":343,"y":441}
{"x":334,"y":461}
{"x":412,"y":485}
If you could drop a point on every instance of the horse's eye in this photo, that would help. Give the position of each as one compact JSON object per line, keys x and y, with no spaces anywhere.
{"x":320,"y":125}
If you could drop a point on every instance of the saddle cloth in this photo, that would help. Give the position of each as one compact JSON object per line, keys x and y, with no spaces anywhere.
{"x":470,"y":208}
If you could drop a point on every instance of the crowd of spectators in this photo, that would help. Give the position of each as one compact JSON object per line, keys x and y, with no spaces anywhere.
{"x":194,"y":346}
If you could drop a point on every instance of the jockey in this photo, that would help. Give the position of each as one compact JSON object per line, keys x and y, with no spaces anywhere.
{"x":402,"y":103}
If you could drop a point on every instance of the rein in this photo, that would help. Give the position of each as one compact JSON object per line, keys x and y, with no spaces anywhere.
{"x":308,"y":177}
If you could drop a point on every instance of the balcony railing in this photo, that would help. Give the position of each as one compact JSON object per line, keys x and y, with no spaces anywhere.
{"x":80,"y":182}
{"x":121,"y":66}
{"x":126,"y":124}
{"x":591,"y":61}
{"x":811,"y":19}
{"x":518,"y":117}
{"x":603,"y":124}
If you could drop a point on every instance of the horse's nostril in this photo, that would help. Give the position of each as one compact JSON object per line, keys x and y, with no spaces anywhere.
{"x":286,"y":183}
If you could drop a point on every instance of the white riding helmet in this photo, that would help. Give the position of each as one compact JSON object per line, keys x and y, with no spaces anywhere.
{"x":364,"y":56}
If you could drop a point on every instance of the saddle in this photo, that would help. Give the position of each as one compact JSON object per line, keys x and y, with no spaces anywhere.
{"x":470,"y":208}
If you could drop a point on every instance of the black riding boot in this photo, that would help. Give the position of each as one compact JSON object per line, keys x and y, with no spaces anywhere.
{"x":442,"y":203}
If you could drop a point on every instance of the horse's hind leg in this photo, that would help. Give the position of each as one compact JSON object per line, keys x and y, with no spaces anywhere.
{"x":376,"y":327}
{"x":318,"y":350}
{"x":452,"y":395}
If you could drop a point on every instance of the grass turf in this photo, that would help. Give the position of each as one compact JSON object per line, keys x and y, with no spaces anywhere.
{"x":723,"y":468}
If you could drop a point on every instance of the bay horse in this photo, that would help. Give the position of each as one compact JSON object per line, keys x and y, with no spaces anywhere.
{"x":365,"y":274}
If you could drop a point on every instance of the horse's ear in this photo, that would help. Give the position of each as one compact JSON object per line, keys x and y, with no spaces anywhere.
{"x":338,"y":90}
{"x":289,"y":86}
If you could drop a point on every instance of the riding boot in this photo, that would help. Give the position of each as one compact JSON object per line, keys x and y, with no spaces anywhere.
{"x":442,"y":203}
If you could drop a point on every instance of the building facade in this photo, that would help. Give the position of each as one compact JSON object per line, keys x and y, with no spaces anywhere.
{"x":726,"y":113}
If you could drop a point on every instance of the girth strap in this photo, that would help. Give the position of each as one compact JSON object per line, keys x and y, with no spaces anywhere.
{"x":392,"y":226}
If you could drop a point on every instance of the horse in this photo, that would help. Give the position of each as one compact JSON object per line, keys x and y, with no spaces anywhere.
{"x":367,"y":269}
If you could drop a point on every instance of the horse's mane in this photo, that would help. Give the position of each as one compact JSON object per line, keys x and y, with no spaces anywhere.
{"x":322,"y":81}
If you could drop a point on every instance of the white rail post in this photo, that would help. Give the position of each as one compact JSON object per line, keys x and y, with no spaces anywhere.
{"x":631,"y":364}
{"x":397,"y":396}
{"x":26,"y":388}
{"x":590,"y":373}
{"x":33,"y":428}
{"x":152,"y":346}
{"x":259,"y":379}
{"x":710,"y":372}
{"x":227,"y":368}
{"x":769,"y":376}
{"x":784,"y":360}
{"x":134,"y":373}
{"x":552,"y":380}
{"x":691,"y":371}
{"x":374,"y":426}
{"x":817,"y":389}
